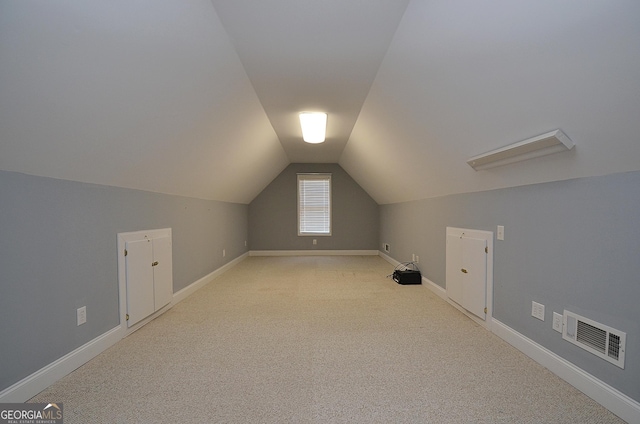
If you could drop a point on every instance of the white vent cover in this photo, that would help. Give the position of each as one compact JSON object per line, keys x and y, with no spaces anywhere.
{"x":599,"y":339}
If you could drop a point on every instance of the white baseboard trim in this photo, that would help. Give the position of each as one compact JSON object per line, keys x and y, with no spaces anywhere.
{"x":439,"y":291}
{"x":181,"y":295}
{"x":615,"y":401}
{"x":612,"y":399}
{"x":442,"y":293}
{"x":33,"y":384}
{"x":30,"y":386}
{"x":313,"y":252}
{"x":388,"y":258}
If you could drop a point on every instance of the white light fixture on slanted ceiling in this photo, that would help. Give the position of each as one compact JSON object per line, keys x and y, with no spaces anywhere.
{"x":545,"y":144}
{"x":314,"y":126}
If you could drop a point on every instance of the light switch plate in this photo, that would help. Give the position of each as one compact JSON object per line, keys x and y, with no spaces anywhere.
{"x":81,"y":315}
{"x":500,"y":234}
{"x":537,"y":310}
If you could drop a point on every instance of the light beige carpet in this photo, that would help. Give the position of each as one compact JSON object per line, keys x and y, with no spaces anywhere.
{"x":316,"y":340}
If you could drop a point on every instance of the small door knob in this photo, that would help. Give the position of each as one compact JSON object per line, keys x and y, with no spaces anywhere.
{"x":154,"y":263}
{"x":464,"y":270}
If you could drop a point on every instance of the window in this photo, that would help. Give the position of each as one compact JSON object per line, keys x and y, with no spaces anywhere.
{"x":314,"y":204}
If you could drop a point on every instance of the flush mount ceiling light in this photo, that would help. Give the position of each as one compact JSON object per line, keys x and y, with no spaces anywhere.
{"x":314,"y":126}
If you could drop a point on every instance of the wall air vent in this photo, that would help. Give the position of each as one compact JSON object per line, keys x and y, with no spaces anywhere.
{"x":545,"y":144}
{"x":599,"y":339}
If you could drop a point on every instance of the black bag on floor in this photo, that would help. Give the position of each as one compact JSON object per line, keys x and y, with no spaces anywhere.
{"x":404,"y":275}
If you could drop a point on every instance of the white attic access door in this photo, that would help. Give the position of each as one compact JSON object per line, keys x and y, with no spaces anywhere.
{"x":469,"y":272}
{"x":145,"y":274}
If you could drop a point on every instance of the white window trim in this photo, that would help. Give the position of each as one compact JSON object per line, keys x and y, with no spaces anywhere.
{"x":315,"y":176}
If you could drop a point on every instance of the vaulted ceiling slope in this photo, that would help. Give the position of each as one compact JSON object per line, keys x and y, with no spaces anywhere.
{"x":200,"y":97}
{"x":311,"y":56}
{"x":464,"y":77}
{"x":148,"y":95}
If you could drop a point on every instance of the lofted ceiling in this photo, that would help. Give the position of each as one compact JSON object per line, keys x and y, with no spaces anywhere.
{"x":311,"y":55}
{"x":200,"y":98}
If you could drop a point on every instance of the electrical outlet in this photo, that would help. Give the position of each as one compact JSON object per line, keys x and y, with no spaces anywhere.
{"x":315,"y":241}
{"x":224,"y":252}
{"x":500,"y":234}
{"x":417,"y":259}
{"x":386,"y":247}
{"x":413,"y":257}
{"x":245,"y":243}
{"x":537,"y":310}
{"x":81,"y":315}
{"x":557,"y":322}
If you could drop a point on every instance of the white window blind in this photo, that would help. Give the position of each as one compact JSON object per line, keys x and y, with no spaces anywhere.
{"x":314,"y":204}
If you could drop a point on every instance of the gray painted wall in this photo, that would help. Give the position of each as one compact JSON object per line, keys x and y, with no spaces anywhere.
{"x":58,"y":252}
{"x":273,"y":214}
{"x":569,"y":245}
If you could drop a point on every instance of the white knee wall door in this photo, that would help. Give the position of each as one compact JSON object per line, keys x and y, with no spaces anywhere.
{"x":148,"y":272}
{"x":467,"y":258}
